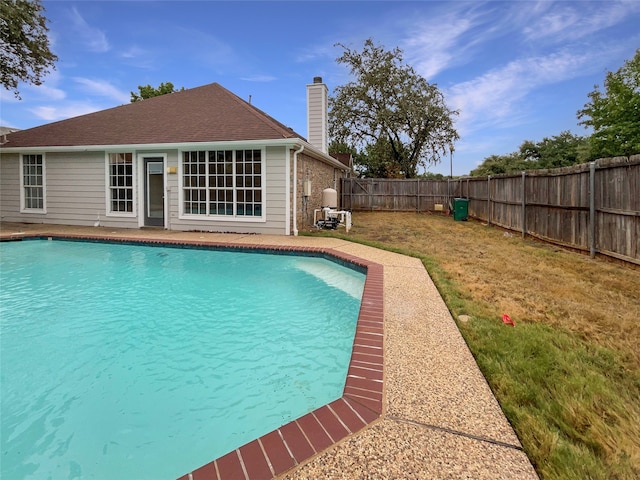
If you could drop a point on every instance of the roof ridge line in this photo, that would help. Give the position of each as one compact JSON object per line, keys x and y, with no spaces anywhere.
{"x":255,"y":111}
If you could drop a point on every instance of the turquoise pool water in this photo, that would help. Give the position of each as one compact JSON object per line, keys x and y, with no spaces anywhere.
{"x":142,"y":362}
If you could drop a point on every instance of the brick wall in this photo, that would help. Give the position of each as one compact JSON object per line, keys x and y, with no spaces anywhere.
{"x":321,"y":176}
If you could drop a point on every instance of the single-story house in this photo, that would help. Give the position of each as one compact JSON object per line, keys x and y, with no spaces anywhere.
{"x":200,"y":159}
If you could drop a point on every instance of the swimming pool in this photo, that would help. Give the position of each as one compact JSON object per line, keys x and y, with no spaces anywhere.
{"x":134,"y":351}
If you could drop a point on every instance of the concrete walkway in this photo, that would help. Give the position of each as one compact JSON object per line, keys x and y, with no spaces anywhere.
{"x":440,"y":417}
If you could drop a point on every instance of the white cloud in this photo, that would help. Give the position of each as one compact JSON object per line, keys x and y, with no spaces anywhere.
{"x":431,"y":48}
{"x":259,"y":78}
{"x":495,"y":98}
{"x":50,"y":113}
{"x":104,"y":89}
{"x":211,"y":51}
{"x":95,"y":39}
{"x":47,"y":91}
{"x":318,"y":53}
{"x":50,"y":93}
{"x":7,"y":97}
{"x":133,"y":52}
{"x":571,"y":21}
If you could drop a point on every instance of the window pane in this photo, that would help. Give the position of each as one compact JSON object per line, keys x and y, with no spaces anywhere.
{"x":121,"y":182}
{"x":33,"y":181}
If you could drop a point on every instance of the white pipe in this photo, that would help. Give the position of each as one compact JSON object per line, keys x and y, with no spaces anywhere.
{"x":295,"y":190}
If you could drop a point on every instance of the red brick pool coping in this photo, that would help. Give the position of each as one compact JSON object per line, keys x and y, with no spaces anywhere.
{"x":283,"y":449}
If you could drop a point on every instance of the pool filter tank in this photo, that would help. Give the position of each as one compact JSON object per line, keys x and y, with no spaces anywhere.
{"x":331,"y":217}
{"x":329,"y":198}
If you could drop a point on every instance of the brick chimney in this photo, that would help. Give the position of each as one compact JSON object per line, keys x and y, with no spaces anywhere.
{"x":317,"y":114}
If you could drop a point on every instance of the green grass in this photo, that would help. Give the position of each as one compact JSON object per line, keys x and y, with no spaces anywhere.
{"x":572,"y":397}
{"x":565,"y":398}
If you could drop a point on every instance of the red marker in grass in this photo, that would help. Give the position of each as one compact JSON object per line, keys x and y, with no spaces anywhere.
{"x":507,"y":319}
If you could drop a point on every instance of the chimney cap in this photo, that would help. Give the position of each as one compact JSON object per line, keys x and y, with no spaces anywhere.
{"x":317,"y":79}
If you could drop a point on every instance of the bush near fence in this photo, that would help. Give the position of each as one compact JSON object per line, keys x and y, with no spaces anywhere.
{"x":593,"y":207}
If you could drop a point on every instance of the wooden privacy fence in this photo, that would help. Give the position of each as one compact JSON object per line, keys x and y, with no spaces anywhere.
{"x":395,"y":194}
{"x":592,"y":207}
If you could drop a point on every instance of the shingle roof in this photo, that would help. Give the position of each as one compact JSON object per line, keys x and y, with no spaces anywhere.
{"x":204,"y":114}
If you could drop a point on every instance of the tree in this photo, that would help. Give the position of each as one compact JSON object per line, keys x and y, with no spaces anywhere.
{"x":498,"y":164}
{"x":24,"y":46}
{"x":551,"y":152}
{"x":377,"y":161}
{"x":560,"y":150}
{"x":389,"y":106}
{"x":614,"y":114}
{"x":147,"y":91}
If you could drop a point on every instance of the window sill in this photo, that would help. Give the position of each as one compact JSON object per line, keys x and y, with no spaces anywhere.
{"x":223,"y":218}
{"x":121,"y":215}
{"x":34,"y":211}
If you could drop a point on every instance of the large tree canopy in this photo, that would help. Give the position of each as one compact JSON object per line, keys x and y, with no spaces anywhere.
{"x":614,"y":114}
{"x":147,"y":91}
{"x":24,"y":45}
{"x":390,"y":110}
{"x":551,"y":152}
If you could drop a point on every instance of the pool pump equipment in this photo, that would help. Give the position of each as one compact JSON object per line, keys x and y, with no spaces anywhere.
{"x":330,"y":217}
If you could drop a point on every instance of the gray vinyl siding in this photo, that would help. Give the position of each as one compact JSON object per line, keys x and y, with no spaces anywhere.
{"x":74,"y":193}
{"x":10,"y":187}
{"x":76,"y":187}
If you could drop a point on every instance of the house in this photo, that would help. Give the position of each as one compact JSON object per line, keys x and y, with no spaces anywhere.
{"x":200,"y":159}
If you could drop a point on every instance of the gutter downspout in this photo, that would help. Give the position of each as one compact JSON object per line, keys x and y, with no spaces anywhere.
{"x":295,"y":190}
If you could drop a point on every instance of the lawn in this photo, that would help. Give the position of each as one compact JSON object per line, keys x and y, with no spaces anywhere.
{"x":568,"y":374}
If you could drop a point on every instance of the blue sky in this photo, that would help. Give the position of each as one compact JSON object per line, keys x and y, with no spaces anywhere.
{"x":516,"y":70}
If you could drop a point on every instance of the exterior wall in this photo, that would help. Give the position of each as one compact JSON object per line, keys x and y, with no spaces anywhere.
{"x":10,"y":187}
{"x":321,"y":176}
{"x":74,"y":194}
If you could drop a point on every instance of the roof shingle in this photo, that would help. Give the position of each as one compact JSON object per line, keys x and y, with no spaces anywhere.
{"x":209,"y":113}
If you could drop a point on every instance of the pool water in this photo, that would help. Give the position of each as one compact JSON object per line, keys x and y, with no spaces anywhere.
{"x":130,"y":361}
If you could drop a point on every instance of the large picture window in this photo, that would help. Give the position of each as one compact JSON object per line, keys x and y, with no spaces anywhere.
{"x":33,"y":182}
{"x":121,"y":182}
{"x":222,"y":183}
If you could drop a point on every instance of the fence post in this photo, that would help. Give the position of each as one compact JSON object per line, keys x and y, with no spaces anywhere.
{"x":524,"y":204}
{"x":489,"y":200}
{"x":370,"y":199}
{"x":592,"y":209}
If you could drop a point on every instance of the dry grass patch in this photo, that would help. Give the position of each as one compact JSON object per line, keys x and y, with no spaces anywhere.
{"x":529,"y":280}
{"x":568,"y":375}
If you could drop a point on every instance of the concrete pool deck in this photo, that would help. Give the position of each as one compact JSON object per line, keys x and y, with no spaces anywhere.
{"x":439,"y":418}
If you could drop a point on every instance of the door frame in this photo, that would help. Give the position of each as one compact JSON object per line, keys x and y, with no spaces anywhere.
{"x":142,"y":187}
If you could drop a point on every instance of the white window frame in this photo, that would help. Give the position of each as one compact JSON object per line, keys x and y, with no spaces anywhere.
{"x":23,"y":199}
{"x":223,"y":218}
{"x":107,"y":167}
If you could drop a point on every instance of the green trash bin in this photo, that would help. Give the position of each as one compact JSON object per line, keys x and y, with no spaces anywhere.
{"x":460,"y":209}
